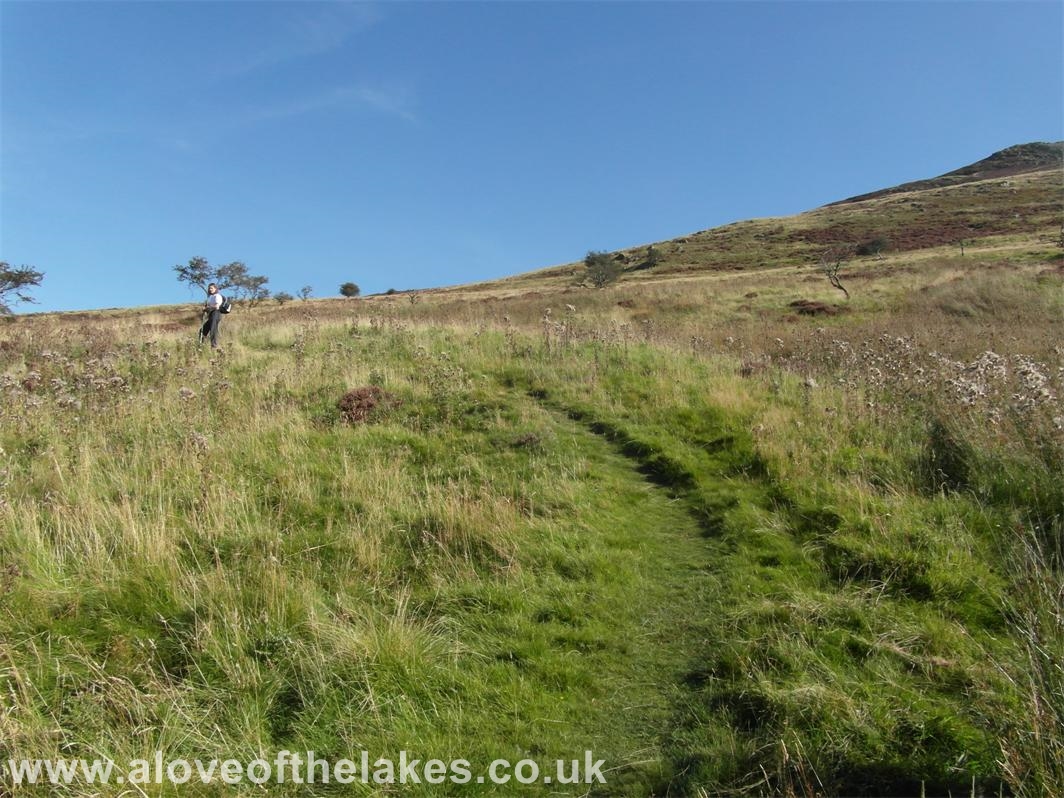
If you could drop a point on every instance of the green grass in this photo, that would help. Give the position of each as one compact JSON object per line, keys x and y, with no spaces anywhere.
{"x":237,"y":572}
{"x":535,"y":551}
{"x":730,"y":549}
{"x":850,"y":621}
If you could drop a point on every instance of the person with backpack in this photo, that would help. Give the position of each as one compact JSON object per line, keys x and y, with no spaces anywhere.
{"x":212,"y":315}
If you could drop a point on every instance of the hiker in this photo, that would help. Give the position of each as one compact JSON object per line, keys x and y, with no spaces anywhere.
{"x":212,"y":310}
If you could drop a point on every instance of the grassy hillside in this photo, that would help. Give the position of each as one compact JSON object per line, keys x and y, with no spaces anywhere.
{"x":731,"y":544}
{"x":981,"y":211}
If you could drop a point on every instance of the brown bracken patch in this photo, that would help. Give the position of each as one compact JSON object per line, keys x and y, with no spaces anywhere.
{"x":809,"y":307}
{"x":357,"y":405}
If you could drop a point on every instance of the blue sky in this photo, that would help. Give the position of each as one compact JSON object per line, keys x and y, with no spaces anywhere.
{"x":409,"y":145}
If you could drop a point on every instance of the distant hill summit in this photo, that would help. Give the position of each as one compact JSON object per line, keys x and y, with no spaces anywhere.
{"x":1018,"y":191}
{"x":1034,"y":157}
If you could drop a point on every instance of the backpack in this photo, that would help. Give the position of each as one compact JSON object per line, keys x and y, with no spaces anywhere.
{"x":227,"y":305}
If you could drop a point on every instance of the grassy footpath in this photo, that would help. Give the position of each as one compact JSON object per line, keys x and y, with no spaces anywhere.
{"x":469,"y":576}
{"x":864,"y":641}
{"x":530,"y":552}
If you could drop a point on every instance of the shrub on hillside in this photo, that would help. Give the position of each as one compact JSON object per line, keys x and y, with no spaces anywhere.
{"x":601,"y":269}
{"x":876,"y":246}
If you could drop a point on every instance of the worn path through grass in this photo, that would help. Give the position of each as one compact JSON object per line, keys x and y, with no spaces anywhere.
{"x":539,"y":549}
{"x":659,"y":612}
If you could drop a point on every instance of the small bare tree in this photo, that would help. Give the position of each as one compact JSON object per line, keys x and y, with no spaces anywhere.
{"x":832,"y":261}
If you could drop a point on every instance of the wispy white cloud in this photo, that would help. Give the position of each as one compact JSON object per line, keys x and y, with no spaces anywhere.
{"x":304,"y":35}
{"x":192,"y":133}
{"x":183,"y":120}
{"x":393,"y":99}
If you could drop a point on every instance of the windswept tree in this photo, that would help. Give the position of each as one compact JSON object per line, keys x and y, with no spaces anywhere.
{"x":231,"y":278}
{"x":254,"y":288}
{"x":282,"y":297}
{"x":305,"y":292}
{"x":198,"y":272}
{"x":350,"y":290}
{"x":235,"y":277}
{"x":831,"y":263}
{"x":13,"y":283}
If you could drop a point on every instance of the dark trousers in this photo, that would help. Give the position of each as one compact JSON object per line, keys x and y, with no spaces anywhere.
{"x":210,"y":327}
